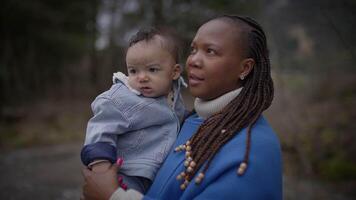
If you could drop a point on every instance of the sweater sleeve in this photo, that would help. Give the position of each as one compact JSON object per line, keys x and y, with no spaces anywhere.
{"x":129,"y":194}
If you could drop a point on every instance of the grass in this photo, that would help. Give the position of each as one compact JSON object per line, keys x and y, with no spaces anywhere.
{"x":46,"y":123}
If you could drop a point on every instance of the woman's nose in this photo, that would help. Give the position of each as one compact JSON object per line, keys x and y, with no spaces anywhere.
{"x":194,"y":60}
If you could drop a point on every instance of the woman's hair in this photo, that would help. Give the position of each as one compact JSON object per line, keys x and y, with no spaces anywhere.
{"x":255,"y":97}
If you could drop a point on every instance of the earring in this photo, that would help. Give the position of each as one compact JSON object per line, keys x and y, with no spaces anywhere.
{"x":242,"y":77}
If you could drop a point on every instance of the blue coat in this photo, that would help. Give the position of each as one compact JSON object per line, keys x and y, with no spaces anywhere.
{"x":262,"y":179}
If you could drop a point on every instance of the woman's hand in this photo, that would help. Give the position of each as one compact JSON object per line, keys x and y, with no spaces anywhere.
{"x":100,"y":185}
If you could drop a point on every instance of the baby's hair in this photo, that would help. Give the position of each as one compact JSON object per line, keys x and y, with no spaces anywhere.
{"x":148,"y":34}
{"x":255,"y":97}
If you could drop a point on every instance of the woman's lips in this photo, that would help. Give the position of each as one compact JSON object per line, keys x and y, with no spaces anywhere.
{"x":195,"y":80}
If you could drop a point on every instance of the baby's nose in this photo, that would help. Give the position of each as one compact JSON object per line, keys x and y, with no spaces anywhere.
{"x":143,"y":77}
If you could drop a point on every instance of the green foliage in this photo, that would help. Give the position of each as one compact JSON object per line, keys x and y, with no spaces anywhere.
{"x":39,"y":38}
{"x":8,"y":136}
{"x":338,"y":168}
{"x":50,"y":122}
{"x":230,"y":6}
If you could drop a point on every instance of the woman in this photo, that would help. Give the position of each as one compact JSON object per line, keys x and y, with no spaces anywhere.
{"x":226,"y":150}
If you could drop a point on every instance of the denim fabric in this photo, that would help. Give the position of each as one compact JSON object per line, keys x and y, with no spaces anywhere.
{"x":138,"y":129}
{"x":137,"y":183}
{"x":100,"y":151}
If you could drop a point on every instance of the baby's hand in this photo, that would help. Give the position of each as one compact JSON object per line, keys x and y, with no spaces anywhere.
{"x":101,"y":167}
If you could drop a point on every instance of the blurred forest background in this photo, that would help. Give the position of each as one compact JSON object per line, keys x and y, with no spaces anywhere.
{"x":56,"y":56}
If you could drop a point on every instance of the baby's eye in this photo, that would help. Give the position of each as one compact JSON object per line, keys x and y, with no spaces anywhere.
{"x":132,"y":71}
{"x":153,"y":69}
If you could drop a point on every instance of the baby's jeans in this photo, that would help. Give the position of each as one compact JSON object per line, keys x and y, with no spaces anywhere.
{"x":138,"y":183}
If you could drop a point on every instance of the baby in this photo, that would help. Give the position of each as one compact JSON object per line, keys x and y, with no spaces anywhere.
{"x":138,"y":118}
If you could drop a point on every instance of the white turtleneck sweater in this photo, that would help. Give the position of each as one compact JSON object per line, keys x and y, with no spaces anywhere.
{"x":207,"y":108}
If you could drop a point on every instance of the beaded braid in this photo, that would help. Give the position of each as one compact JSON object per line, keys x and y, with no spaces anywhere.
{"x":255,"y":97}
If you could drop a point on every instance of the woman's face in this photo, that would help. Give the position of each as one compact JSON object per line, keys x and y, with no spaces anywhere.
{"x":215,"y":62}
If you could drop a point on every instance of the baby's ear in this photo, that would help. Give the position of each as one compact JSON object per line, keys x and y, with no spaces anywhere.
{"x":177,"y":70}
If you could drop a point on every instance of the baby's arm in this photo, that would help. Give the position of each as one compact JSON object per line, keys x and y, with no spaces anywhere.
{"x":102,"y":130}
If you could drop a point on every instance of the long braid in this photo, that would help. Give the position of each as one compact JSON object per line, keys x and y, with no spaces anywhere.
{"x":243,"y":111}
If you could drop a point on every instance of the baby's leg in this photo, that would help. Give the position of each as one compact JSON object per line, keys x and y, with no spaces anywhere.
{"x":138,"y":183}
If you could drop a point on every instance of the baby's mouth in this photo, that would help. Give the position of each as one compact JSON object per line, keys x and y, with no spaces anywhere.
{"x":145,"y":89}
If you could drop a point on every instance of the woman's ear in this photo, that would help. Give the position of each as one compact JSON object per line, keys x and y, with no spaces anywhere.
{"x":246,"y":67}
{"x":177,"y":70}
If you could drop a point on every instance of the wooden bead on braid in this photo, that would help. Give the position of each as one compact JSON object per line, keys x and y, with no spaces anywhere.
{"x":189,"y":159}
{"x":186,"y":163}
{"x":184,"y":184}
{"x":192,"y":164}
{"x":242,"y":168}
{"x":180,"y":148}
{"x":181,"y":176}
{"x":189,"y":164}
{"x":188,"y":154}
{"x":199,"y":178}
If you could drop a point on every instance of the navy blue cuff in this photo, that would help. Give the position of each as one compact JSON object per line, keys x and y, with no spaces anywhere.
{"x":98,"y":151}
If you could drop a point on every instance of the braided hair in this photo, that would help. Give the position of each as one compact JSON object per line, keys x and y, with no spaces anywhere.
{"x":243,"y":111}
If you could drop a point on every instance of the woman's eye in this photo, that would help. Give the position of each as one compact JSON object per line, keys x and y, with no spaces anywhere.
{"x":193,"y":50}
{"x":211,"y":51}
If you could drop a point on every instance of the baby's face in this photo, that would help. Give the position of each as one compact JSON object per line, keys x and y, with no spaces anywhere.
{"x":151,"y":68}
